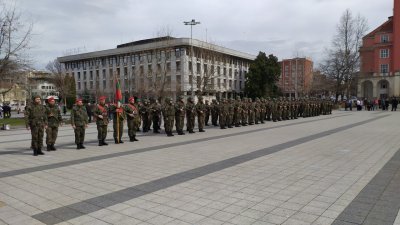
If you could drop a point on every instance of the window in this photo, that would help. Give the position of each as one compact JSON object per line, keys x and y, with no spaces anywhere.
{"x":91,"y":75}
{"x":91,"y":84}
{"x":198,"y":68}
{"x":384,"y":68}
{"x":104,"y":83}
{"x":104,"y":74}
{"x":384,"y":53}
{"x":43,"y":87}
{"x":384,"y":38}
{"x":79,"y":85}
{"x":178,"y":66}
{"x":79,"y":75}
{"x":84,"y":75}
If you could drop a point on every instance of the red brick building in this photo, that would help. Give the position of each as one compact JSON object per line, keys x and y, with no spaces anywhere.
{"x":296,"y":77}
{"x":380,"y":59}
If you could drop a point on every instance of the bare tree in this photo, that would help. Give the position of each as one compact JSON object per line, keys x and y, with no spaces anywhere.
{"x":343,"y":59}
{"x":15,"y":36}
{"x":58,"y":77}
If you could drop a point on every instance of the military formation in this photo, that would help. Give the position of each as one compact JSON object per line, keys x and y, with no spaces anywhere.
{"x":226,"y":113}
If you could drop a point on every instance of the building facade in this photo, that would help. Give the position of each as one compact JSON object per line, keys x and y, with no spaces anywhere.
{"x":158,"y":67}
{"x":380,"y":60}
{"x":296,"y":77}
{"x":41,"y":83}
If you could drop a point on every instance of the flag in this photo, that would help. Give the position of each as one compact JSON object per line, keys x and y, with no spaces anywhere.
{"x":118,"y":92}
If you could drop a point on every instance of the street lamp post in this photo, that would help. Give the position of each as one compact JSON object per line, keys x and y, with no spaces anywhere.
{"x":192,"y":23}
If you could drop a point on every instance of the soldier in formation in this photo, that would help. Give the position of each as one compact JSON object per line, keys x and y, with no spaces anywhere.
{"x":54,"y":120}
{"x":36,"y":122}
{"x":79,"y":122}
{"x":133,"y":119}
{"x":100,"y":114}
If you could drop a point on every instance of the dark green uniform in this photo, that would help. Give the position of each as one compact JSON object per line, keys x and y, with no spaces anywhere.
{"x":190,"y":115}
{"x":133,"y":120}
{"x":201,"y":109}
{"x":169,"y":114}
{"x":180,"y":116}
{"x":100,"y":113}
{"x":145,"y":112}
{"x":155,"y":110}
{"x":207,"y":113}
{"x":237,"y":112}
{"x":230,"y":122}
{"x":214,"y":112}
{"x":79,"y":119}
{"x":223,"y":114}
{"x":118,"y":123}
{"x":54,"y":119}
{"x":36,"y":120}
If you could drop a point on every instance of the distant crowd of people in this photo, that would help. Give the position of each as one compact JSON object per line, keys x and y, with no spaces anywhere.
{"x":372,"y":104}
{"x":5,"y":111}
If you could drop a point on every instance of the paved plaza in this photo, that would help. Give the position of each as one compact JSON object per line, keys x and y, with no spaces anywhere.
{"x":342,"y":168}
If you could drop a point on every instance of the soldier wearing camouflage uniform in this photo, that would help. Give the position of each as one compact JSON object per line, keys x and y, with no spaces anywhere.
{"x":179,"y":115}
{"x":214,"y":112}
{"x":133,"y":119}
{"x":145,"y":112}
{"x":223,"y":113}
{"x":118,"y":122}
{"x":100,"y":114}
{"x":54,"y":120}
{"x":79,"y":122}
{"x":231,"y":107}
{"x":169,"y":114}
{"x":190,"y":115}
{"x":201,"y":111}
{"x":155,"y":109}
{"x":36,"y":121}
{"x":237,"y":112}
{"x":207,"y":113}
{"x":245,"y":112}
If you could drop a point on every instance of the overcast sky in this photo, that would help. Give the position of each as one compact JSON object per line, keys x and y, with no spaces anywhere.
{"x":285,"y":28}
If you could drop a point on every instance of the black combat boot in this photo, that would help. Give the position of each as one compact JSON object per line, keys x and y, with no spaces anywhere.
{"x":201,"y":130}
{"x":104,"y":142}
{"x":53,"y":148}
{"x":48,"y":147}
{"x":82,"y":147}
{"x":35,"y":152}
{"x":131,"y":139}
{"x":120,"y":141}
{"x":134,"y":138}
{"x":78,"y":146}
{"x":39,"y":151}
{"x":169,"y":134}
{"x":116,"y":141}
{"x":100,"y":142}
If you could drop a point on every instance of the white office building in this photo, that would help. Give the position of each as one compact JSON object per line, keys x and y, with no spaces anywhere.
{"x":160,"y":67}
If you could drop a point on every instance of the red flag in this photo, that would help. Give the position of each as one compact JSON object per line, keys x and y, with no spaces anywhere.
{"x":118,"y":92}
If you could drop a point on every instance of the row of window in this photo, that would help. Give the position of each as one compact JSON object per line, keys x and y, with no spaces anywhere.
{"x":159,"y":71}
{"x":384,"y":53}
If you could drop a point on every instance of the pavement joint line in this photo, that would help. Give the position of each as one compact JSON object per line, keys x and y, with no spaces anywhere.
{"x":95,"y":132}
{"x":94,"y":204}
{"x":380,"y":193}
{"x":141,"y":150}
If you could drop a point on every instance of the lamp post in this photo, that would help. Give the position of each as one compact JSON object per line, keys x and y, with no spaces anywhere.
{"x":192,"y":23}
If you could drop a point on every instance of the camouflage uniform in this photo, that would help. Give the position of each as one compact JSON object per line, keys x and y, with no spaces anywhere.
{"x":201,"y":110}
{"x":169,"y":114}
{"x":118,"y":123}
{"x":190,"y":115}
{"x":36,"y":120}
{"x":223,"y":114}
{"x":133,"y":120}
{"x":214,"y":112}
{"x":207,"y":113}
{"x":54,"y":119}
{"x":229,"y":119}
{"x":155,"y":110}
{"x":79,"y":119}
{"x":237,"y":112}
{"x":145,"y":112}
{"x":180,"y":115}
{"x":101,"y":122}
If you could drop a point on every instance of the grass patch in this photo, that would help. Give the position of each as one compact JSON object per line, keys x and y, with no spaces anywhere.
{"x":13,"y":122}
